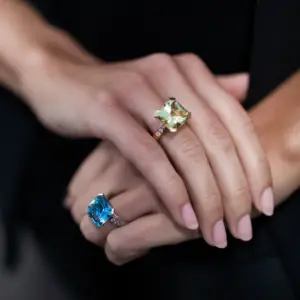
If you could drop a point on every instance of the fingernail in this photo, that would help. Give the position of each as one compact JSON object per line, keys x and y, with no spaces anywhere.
{"x":219,"y":235}
{"x":267,"y":202}
{"x":244,"y":228}
{"x":189,"y":216}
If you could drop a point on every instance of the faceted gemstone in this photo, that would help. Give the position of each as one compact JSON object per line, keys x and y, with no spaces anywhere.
{"x":100,"y":210}
{"x":172,"y":115}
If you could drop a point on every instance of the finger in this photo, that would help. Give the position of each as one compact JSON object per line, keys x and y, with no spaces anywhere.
{"x":110,"y":182}
{"x":187,"y":154}
{"x":95,"y":164}
{"x":128,"y":206}
{"x":136,"y":238}
{"x":236,"y":84}
{"x":240,"y":126}
{"x":220,"y":150}
{"x":93,"y":234}
{"x":143,"y":151}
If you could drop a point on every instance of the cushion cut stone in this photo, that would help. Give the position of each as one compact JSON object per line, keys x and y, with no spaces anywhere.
{"x":100,"y":210}
{"x":172,"y":115}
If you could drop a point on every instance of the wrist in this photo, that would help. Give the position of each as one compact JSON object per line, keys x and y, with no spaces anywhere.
{"x":21,"y":31}
{"x":29,"y":46}
{"x":277,"y":122}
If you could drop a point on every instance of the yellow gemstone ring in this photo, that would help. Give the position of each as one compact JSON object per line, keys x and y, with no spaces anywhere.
{"x":172,"y":117}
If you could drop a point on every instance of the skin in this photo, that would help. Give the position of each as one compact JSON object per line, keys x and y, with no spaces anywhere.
{"x":136,"y":202}
{"x":77,"y":95}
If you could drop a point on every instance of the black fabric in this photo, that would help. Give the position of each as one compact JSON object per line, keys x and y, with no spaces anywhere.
{"x":260,"y":37}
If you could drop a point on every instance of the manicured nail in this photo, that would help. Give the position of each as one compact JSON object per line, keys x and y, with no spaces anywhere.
{"x":219,"y":235}
{"x":189,"y":216}
{"x":244,"y":228}
{"x":267,"y":202}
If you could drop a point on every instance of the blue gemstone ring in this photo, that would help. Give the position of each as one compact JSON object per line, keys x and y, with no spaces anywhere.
{"x":101,"y":211}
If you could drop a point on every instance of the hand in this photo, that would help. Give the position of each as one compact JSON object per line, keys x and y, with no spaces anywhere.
{"x":134,"y":200}
{"x":106,"y":170}
{"x":104,"y":100}
{"x":217,"y":157}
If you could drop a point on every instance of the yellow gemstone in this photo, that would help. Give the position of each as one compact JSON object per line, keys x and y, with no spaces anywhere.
{"x":172,"y":115}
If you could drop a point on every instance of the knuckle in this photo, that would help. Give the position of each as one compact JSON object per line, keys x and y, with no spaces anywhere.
{"x":147,"y":194}
{"x":105,"y":99}
{"x":132,"y":82}
{"x":248,"y":126}
{"x":160,"y":61}
{"x":88,"y":233}
{"x":242,"y":193}
{"x":72,"y":188}
{"x":192,"y":150}
{"x":39,"y":60}
{"x":191,"y":60}
{"x":77,"y":216}
{"x":69,"y":201}
{"x":176,"y":189}
{"x":219,"y":137}
{"x":239,"y":202}
{"x":211,"y":205}
{"x":135,"y":79}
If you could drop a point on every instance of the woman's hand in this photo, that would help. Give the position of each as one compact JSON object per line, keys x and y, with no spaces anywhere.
{"x":133,"y":199}
{"x":107,"y":171}
{"x":214,"y":163}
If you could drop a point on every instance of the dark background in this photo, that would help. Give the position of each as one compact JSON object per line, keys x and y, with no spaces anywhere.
{"x":230,"y":35}
{"x":33,"y":280}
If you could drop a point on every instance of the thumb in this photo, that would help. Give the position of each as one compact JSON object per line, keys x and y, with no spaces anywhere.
{"x":235,"y":84}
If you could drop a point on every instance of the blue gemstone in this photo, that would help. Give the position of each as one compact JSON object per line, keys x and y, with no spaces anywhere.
{"x":100,"y":210}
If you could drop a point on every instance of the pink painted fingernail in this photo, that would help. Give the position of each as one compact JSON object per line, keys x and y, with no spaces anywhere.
{"x":244,"y":228}
{"x":219,"y":235}
{"x":267,"y":202}
{"x":189,"y":217}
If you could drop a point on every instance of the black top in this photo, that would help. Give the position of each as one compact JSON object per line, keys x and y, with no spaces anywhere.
{"x":262,"y":37}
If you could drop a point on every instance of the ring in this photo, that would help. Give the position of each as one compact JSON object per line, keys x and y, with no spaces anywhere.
{"x":101,"y":211}
{"x":172,"y":117}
